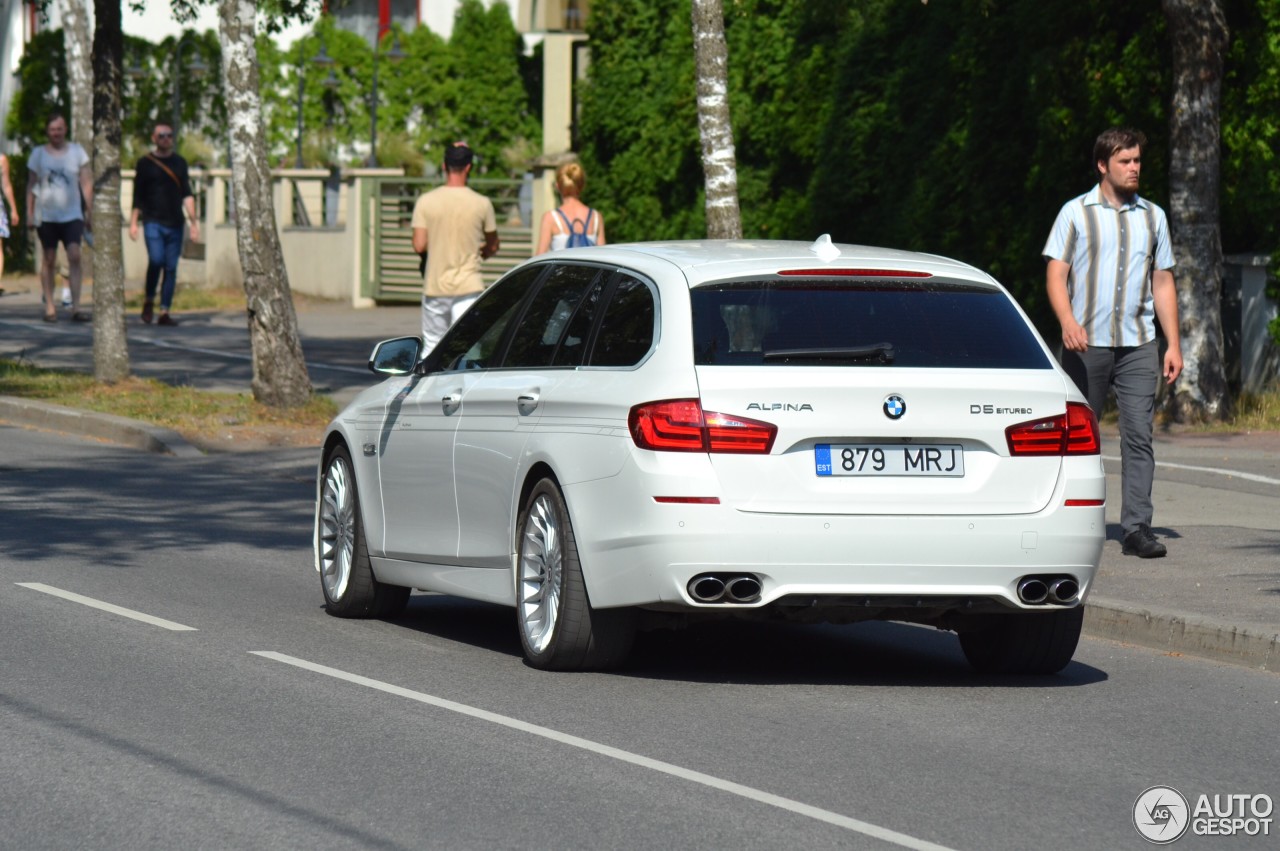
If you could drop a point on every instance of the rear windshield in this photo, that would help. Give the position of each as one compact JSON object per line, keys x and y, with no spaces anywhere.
{"x":867,"y":324}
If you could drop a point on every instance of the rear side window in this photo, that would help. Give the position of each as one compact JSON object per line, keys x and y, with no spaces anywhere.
{"x":626,"y":330}
{"x":867,"y":324}
{"x":541,"y":332}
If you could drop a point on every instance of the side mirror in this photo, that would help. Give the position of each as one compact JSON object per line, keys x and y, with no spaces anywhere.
{"x":395,"y":357}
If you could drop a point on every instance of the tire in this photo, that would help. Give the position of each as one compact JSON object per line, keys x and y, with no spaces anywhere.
{"x":559,"y":630}
{"x":1024,"y":643}
{"x":346,"y":577}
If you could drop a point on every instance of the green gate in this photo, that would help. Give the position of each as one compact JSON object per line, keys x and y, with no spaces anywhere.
{"x":391,"y":272}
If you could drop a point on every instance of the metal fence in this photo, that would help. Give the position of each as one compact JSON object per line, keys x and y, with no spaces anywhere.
{"x":393,"y":274}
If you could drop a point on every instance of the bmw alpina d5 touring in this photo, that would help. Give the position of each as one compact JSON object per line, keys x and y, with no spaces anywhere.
{"x":645,"y":433}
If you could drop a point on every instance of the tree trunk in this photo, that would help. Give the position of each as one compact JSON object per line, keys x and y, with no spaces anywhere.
{"x":279,"y":371}
{"x":719,"y":162}
{"x":110,"y":344}
{"x":80,"y":71}
{"x":1198,"y":34}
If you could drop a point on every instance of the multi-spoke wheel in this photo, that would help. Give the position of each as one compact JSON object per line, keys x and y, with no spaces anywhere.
{"x":558,"y":627}
{"x":1023,"y":642}
{"x":350,"y":589}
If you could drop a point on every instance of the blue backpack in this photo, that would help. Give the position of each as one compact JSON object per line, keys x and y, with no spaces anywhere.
{"x":578,"y":230}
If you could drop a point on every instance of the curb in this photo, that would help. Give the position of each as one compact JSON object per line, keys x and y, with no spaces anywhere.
{"x":1172,"y":630}
{"x":121,"y":430}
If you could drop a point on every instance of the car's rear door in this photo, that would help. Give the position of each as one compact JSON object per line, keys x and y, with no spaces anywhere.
{"x":502,"y":407}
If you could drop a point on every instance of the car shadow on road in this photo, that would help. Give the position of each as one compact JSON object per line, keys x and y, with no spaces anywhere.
{"x":873,"y":653}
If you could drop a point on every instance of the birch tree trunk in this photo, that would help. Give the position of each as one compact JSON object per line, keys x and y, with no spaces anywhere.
{"x":110,"y":344}
{"x":80,"y":70}
{"x":1199,"y":36}
{"x":279,"y":372}
{"x":719,"y":162}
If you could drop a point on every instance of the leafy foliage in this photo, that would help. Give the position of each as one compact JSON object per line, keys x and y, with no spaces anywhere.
{"x":485,"y":100}
{"x":43,"y":89}
{"x":478,"y":86}
{"x":955,"y":127}
{"x":639,"y":126}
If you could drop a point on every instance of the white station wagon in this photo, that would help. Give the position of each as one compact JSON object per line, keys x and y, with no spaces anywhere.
{"x":614,"y":436}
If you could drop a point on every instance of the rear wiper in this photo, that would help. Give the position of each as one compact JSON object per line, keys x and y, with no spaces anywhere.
{"x":881,"y":352}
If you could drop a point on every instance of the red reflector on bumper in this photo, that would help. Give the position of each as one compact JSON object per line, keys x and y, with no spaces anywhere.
{"x":1085,"y":502}
{"x":688,"y":500}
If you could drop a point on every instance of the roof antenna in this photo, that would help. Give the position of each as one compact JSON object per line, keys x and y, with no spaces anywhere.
{"x":823,"y":247}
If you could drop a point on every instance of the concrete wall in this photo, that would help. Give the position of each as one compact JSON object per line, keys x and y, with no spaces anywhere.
{"x":322,"y":251}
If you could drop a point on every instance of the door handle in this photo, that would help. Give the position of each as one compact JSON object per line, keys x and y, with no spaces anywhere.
{"x":450,"y":400}
{"x":527,"y":402}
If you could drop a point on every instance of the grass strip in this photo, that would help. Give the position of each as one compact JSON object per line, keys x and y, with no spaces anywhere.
{"x":184,"y":409}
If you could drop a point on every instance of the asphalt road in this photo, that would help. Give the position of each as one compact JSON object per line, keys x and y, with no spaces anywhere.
{"x":218,"y":706}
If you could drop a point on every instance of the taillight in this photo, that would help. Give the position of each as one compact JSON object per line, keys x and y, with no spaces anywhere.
{"x":1072,"y":433}
{"x":680,"y":425}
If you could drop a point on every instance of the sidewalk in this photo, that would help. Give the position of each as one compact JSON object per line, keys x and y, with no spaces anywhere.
{"x":1217,"y":497}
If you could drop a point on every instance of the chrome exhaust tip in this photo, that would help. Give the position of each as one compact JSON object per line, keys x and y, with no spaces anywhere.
{"x":1033,"y":592}
{"x":1064,"y":590}
{"x":743,"y":589}
{"x":706,"y":588}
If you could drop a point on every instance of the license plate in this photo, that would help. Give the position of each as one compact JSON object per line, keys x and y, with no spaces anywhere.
{"x":889,"y":459}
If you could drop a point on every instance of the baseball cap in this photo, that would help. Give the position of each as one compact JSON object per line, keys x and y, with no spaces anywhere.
{"x":457,"y":155}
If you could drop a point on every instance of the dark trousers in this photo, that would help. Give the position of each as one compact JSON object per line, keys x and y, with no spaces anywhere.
{"x":1133,"y":371}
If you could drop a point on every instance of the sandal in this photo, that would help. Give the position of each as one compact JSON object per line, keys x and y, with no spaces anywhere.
{"x":81,"y":317}
{"x":51,"y":317}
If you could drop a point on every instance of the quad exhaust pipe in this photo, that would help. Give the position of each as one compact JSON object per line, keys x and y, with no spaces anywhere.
{"x":737,"y":588}
{"x":1048,"y":590}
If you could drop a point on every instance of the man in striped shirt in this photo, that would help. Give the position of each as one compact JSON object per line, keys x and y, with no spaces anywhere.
{"x":1109,"y":276}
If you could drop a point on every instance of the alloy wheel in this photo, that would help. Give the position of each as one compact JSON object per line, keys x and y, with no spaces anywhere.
{"x":541,"y":566}
{"x":337,"y":529}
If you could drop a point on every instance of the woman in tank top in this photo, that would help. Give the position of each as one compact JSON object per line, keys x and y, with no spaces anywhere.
{"x":572,"y":217}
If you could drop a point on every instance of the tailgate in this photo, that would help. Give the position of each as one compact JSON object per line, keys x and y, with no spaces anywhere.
{"x":950,"y":417}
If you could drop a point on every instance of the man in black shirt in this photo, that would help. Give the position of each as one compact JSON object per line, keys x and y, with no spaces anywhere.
{"x":161,"y":195}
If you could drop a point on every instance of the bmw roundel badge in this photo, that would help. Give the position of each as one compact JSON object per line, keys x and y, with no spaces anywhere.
{"x":894,"y":406}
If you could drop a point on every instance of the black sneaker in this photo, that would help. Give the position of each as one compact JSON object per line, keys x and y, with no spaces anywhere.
{"x":1143,"y":544}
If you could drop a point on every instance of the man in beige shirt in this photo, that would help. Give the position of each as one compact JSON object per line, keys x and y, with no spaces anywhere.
{"x":459,"y":227}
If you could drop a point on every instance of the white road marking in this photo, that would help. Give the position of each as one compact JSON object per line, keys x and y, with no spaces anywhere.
{"x":106,"y":607}
{"x":1231,"y":474}
{"x":865,"y":828}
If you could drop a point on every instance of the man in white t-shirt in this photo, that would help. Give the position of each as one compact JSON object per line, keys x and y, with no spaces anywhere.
{"x":59,"y":207}
{"x":456,"y":227}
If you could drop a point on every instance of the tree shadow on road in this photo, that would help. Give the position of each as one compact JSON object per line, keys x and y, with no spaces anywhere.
{"x":105,"y":504}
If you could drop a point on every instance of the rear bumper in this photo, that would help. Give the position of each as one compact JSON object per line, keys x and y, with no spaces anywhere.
{"x":642,"y":553}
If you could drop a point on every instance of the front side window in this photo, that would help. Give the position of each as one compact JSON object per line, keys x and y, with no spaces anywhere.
{"x":861,"y":323}
{"x":473,"y":341}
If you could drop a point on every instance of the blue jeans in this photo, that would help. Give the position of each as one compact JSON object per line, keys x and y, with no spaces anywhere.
{"x":164,"y":246}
